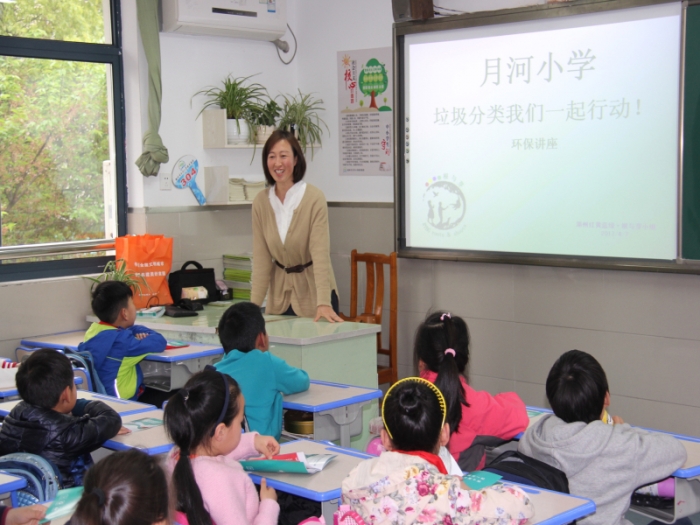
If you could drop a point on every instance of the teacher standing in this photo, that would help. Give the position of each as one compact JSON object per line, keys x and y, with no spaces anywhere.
{"x":291,"y":242}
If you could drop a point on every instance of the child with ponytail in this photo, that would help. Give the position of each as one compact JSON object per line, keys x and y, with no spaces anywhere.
{"x":125,"y":488}
{"x":204,"y":420}
{"x":477,"y":419}
{"x":409,"y":482}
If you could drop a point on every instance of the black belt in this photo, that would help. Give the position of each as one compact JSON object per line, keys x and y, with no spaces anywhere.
{"x":295,"y":269}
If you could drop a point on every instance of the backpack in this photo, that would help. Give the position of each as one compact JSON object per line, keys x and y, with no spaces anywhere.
{"x":84,"y":360}
{"x":43,"y":479}
{"x":519,"y":468}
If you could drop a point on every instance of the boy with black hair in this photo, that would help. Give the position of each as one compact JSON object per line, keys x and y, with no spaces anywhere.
{"x":52,"y":422}
{"x":263,"y":377}
{"x":118,"y":345}
{"x":603,"y":462}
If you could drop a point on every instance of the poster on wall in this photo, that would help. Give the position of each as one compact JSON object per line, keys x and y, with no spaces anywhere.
{"x":366,"y":108}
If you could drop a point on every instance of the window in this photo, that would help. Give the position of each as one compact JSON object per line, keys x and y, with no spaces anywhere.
{"x":62,"y":173}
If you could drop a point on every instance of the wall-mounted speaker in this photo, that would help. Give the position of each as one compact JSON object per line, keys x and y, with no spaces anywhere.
{"x":405,"y":10}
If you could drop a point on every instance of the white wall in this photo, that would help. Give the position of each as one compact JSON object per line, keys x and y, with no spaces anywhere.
{"x":324,"y":29}
{"x":189,"y":64}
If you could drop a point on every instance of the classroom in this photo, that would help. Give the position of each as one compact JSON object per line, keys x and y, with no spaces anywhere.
{"x":641,"y":325}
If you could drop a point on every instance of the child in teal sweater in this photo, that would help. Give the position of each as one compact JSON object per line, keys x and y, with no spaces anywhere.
{"x":263,"y":377}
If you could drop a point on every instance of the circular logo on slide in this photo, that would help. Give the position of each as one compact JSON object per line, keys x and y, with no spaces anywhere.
{"x":446,"y":204}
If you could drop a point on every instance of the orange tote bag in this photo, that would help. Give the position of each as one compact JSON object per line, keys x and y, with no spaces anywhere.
{"x":150,"y":257}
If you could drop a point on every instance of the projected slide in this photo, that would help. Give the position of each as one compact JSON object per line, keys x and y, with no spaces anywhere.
{"x":555,"y":136}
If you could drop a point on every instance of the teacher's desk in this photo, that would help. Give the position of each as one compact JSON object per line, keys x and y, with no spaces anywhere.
{"x":334,"y":352}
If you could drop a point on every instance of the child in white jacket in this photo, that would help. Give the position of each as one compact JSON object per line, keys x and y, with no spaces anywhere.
{"x":410,"y":484}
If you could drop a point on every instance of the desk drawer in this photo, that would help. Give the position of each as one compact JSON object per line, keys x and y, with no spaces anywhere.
{"x":170,"y":376}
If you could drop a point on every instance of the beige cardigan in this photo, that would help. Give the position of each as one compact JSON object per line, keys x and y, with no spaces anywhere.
{"x":307,"y":240}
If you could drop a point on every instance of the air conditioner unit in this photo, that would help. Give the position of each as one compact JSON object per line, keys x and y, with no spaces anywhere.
{"x":254,"y":19}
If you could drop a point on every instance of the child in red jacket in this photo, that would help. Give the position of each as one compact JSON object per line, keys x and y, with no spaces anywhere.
{"x":479,"y":419}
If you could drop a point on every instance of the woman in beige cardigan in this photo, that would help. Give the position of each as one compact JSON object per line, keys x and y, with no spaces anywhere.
{"x":291,"y":243}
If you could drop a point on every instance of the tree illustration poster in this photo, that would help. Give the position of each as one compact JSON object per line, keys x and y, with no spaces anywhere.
{"x":366,"y":112}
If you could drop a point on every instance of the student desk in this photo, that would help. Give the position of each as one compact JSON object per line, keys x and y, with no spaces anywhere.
{"x":55,"y":341}
{"x":171,"y":369}
{"x":165,"y":371}
{"x":551,"y":508}
{"x":123,"y":407}
{"x":11,"y":484}
{"x":687,"y":478}
{"x":335,"y":408}
{"x":7,"y":383}
{"x":335,"y":352}
{"x":323,"y":486}
{"x":555,"y":508}
{"x":151,"y":441}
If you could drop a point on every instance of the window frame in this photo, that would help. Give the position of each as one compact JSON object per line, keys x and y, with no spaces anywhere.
{"x":80,"y":52}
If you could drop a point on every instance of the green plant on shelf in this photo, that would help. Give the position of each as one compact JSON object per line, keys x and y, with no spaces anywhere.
{"x":300,"y":115}
{"x":266,"y":114}
{"x":239,"y":97}
{"x":117,"y":271}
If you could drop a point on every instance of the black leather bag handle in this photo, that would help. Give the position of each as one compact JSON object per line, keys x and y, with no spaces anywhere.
{"x":197,"y":265}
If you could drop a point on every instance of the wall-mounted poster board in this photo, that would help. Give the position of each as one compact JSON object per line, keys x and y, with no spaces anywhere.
{"x":551,"y":135}
{"x":366,"y":119}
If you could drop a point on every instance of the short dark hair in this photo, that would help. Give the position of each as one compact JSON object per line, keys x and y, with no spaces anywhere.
{"x":108,"y":299}
{"x":240,"y":326}
{"x":134,"y":488}
{"x":299,"y":168}
{"x":576,"y":387}
{"x":413,"y":417}
{"x":43,"y":376}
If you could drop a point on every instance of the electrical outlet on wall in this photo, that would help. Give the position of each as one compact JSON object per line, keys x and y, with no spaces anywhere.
{"x":166,"y":182}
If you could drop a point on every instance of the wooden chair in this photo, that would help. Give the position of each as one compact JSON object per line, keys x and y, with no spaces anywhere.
{"x":374,"y":304}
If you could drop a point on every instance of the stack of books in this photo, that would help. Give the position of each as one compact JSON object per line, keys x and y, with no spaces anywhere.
{"x":238,"y":270}
{"x":236,"y":190}
{"x":241,"y":190}
{"x":253,"y":188}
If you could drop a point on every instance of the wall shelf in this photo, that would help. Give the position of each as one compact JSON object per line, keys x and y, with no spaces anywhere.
{"x":214,"y":131}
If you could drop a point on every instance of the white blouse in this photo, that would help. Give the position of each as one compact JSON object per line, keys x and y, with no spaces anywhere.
{"x":285,"y":211}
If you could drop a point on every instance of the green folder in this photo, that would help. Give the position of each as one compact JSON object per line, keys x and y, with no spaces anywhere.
{"x":65,"y":503}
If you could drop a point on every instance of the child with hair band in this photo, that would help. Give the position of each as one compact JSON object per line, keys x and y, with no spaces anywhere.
{"x":125,"y":488}
{"x":204,"y":420}
{"x":477,"y":419}
{"x":409,"y":482}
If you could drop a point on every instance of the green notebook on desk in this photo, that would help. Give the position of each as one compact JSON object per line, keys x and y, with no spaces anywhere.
{"x":294,"y":463}
{"x":65,"y":503}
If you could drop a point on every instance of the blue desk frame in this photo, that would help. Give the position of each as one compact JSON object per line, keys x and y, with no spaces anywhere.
{"x":12,"y":486}
{"x":335,"y":419}
{"x":328,"y":498}
{"x":141,"y":438}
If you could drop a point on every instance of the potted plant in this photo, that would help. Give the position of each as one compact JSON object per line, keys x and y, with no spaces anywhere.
{"x":116,"y":271}
{"x":300,"y":115}
{"x":265,"y":117}
{"x":239,"y":98}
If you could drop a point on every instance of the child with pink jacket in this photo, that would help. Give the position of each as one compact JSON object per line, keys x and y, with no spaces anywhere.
{"x":204,"y":420}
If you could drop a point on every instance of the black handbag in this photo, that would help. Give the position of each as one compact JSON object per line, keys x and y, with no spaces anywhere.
{"x":184,"y":278}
